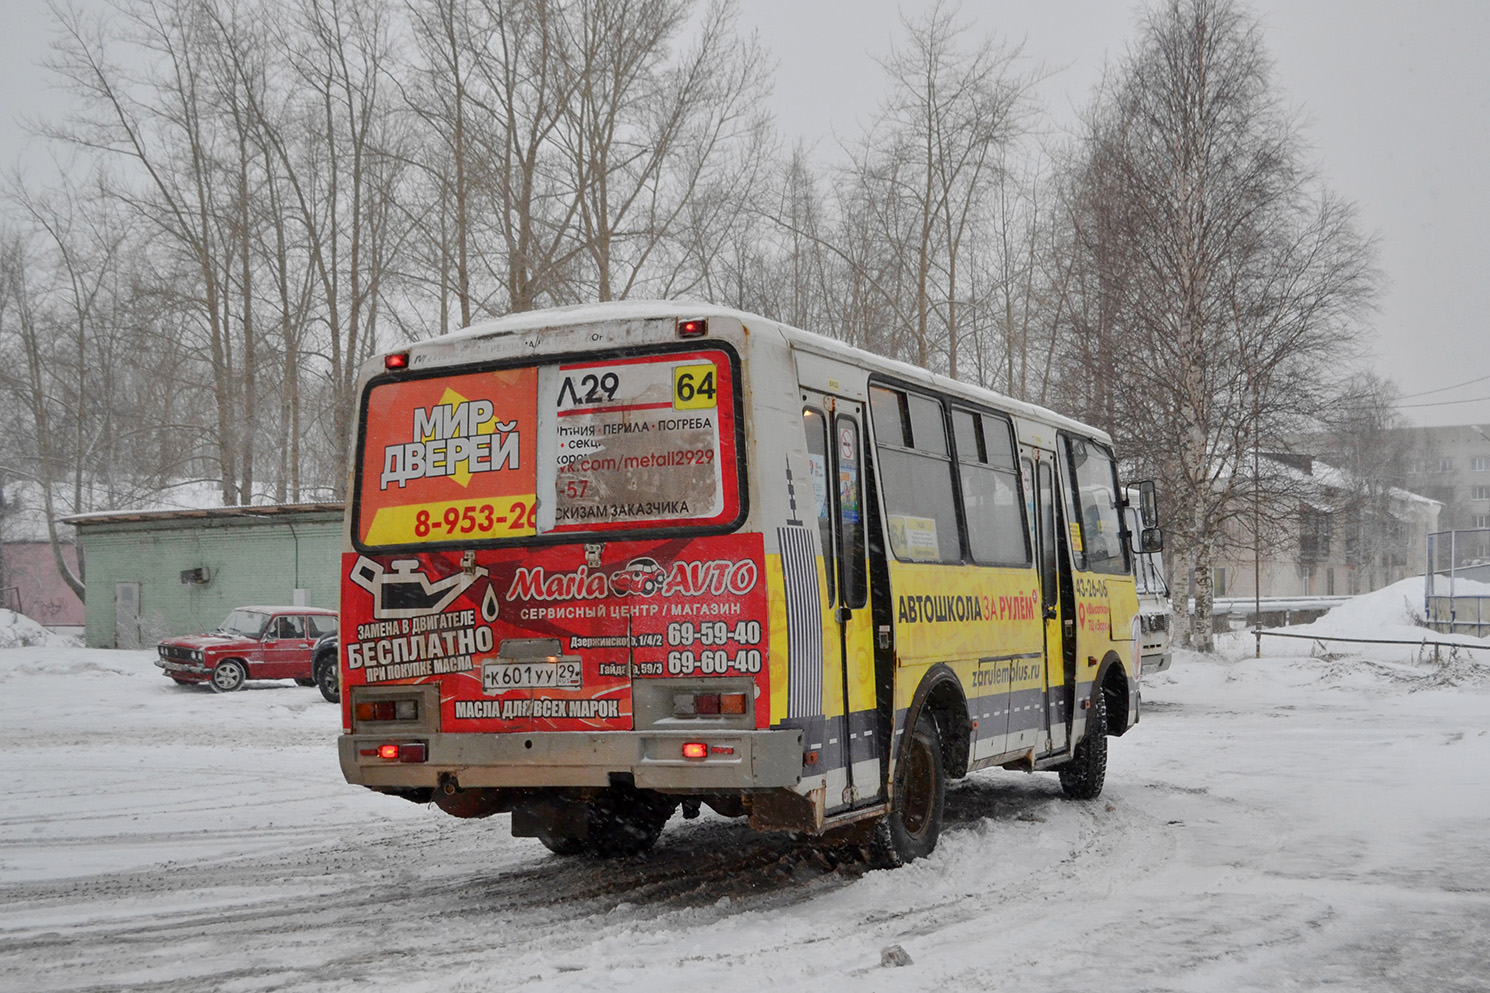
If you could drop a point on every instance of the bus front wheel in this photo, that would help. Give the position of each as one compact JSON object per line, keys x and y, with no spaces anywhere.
{"x":1083,"y":776}
{"x":914,"y":823}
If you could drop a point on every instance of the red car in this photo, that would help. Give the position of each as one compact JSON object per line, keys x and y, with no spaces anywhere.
{"x":253,"y":643}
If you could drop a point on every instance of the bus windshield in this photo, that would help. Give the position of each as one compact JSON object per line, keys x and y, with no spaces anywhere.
{"x":513,"y":454}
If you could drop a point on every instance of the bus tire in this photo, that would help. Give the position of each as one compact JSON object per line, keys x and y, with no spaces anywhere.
{"x":1083,"y":776}
{"x":626,"y":821}
{"x":914,"y":823}
{"x":562,"y":844}
{"x":229,"y":675}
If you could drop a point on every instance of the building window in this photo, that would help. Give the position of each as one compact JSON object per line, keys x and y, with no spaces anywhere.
{"x":1314,"y":535}
{"x":1479,"y":464}
{"x":1482,"y":520}
{"x":1479,"y":492}
{"x":1445,"y":465}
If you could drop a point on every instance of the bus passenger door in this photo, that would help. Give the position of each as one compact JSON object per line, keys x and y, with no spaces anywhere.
{"x":1059,"y":635}
{"x":835,"y":446}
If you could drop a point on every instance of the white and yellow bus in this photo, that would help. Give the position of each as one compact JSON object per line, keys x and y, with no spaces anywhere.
{"x":607,"y":561}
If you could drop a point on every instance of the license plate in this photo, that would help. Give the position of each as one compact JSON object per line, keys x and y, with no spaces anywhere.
{"x":503,"y":676}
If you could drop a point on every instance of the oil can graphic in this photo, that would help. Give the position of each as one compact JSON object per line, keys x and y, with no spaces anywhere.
{"x":405,"y":591}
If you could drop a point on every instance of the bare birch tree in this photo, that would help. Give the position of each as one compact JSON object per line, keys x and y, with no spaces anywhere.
{"x":1244,"y":280}
{"x":646,"y":129}
{"x":157,"y":123}
{"x":343,"y":161}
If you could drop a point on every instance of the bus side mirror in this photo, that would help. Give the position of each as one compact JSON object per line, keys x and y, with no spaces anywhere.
{"x":1152,"y":540}
{"x":1148,"y":505}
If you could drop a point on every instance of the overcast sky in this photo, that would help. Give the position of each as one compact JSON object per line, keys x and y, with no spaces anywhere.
{"x":1396,"y":94}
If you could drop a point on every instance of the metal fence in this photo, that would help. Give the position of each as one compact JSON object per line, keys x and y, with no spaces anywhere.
{"x":1457,"y":587}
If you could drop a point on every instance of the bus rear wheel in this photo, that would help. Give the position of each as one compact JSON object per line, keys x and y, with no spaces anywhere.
{"x":562,"y":844}
{"x":914,"y":823}
{"x":1082,"y":777}
{"x":624,"y":821}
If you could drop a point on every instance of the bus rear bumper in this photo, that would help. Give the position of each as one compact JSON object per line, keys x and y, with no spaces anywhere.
{"x":736,"y":760}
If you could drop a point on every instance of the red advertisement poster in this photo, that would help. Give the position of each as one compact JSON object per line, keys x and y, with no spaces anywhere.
{"x":551,"y":639}
{"x":450,"y":458}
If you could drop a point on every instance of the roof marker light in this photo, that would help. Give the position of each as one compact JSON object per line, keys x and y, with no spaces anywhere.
{"x":696,"y":328}
{"x":396,"y":360}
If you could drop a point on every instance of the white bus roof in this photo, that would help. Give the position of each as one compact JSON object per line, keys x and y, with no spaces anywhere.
{"x":642,"y":310}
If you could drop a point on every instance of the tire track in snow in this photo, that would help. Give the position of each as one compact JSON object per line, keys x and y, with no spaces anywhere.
{"x":298,"y":912}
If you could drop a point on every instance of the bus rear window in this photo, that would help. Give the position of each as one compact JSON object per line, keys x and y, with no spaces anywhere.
{"x":635,"y":443}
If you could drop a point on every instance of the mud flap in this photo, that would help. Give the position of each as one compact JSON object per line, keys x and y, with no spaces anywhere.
{"x":551,"y":817}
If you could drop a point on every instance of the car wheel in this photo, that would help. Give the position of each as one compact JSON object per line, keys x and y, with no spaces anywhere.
{"x":1083,"y":776}
{"x":328,"y":678}
{"x":229,"y":675}
{"x":302,"y":681}
{"x":914,"y":823}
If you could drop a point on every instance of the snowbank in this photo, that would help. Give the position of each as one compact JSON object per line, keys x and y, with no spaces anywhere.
{"x":20,"y":631}
{"x":1391,"y":614}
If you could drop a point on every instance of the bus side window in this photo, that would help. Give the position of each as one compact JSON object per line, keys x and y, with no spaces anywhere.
{"x":991,"y":497}
{"x":915,"y":472}
{"x":851,"y":514}
{"x":816,"y":426}
{"x":1045,"y":507}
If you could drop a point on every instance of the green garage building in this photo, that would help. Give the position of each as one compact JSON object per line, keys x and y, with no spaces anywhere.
{"x":154,"y":574}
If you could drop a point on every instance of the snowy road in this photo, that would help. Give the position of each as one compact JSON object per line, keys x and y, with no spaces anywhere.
{"x":1284,"y":824}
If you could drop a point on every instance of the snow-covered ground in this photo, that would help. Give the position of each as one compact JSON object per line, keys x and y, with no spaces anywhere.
{"x":1289,"y":823}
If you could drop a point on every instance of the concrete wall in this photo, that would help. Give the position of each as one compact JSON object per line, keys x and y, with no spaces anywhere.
{"x":29,"y":567}
{"x":248,"y":561}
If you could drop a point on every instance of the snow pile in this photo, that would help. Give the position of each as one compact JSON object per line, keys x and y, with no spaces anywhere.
{"x":1395,"y":606}
{"x":1391,"y":615}
{"x":20,"y":631}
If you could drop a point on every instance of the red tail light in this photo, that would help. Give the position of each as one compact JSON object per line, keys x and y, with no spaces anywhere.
{"x":400,"y":751}
{"x":695,"y":750}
